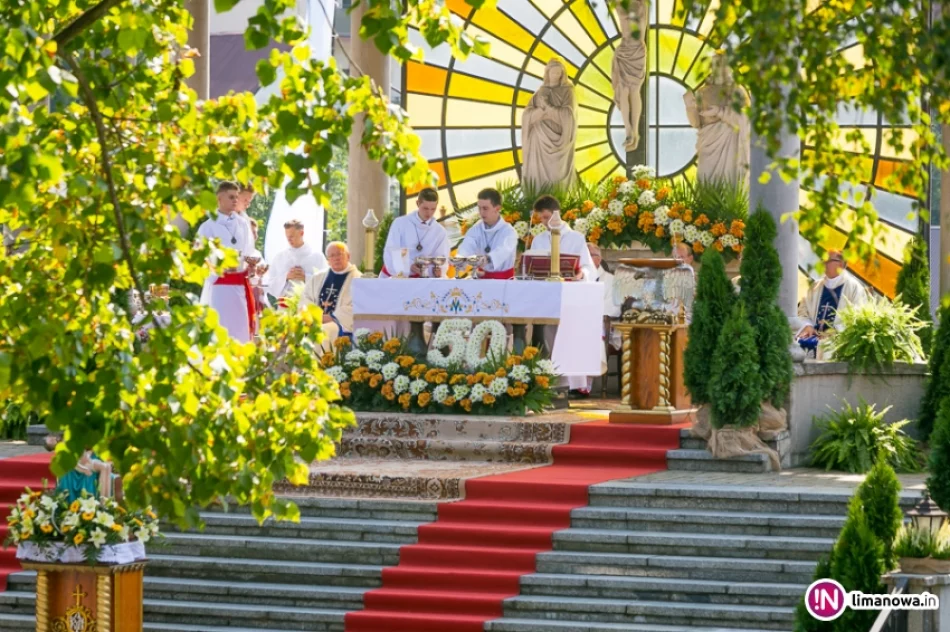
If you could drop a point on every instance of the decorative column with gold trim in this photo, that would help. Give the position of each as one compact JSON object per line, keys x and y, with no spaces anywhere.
{"x":104,"y":598}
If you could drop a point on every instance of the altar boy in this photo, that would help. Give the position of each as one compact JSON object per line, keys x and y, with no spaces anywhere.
{"x":493,"y":238}
{"x":417,"y":234}
{"x":230,"y":294}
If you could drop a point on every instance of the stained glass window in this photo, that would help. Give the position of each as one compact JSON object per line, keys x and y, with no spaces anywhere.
{"x":468,"y":113}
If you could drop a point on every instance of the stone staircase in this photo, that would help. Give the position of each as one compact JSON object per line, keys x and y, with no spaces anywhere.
{"x":238,"y":576}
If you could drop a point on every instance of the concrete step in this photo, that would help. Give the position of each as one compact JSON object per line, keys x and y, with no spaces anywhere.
{"x":202,"y":615}
{"x":719,"y":522}
{"x":669,"y":566}
{"x":445,"y":450}
{"x":677,"y":590}
{"x":277,"y":571}
{"x":276,"y":549}
{"x":348,"y":529}
{"x":692,"y":544}
{"x":264,"y":594}
{"x":656,"y":612}
{"x":537,"y":625}
{"x":17,"y":622}
{"x":416,"y":511}
{"x":702,"y":461}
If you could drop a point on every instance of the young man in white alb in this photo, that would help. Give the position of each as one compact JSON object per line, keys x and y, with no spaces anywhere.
{"x":417,"y":234}
{"x":493,"y":238}
{"x":294,"y":266}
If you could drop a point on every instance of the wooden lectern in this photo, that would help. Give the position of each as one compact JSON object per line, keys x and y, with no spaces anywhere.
{"x":653,"y":330}
{"x":89,"y":598}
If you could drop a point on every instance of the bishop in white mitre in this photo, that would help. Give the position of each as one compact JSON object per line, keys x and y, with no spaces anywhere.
{"x":293,"y":267}
{"x":230,"y":294}
{"x":492,"y":238}
{"x":417,"y":234}
{"x":572,"y":242}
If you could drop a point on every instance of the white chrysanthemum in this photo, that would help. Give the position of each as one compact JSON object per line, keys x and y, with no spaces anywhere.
{"x":662,"y":216}
{"x":359,"y":334}
{"x":390,"y":370}
{"x":615,"y":207}
{"x":417,"y":386}
{"x":401,"y":384}
{"x":626,"y":188}
{"x":374,"y":359}
{"x":478,"y":393}
{"x":706,"y":238}
{"x":469,"y":218}
{"x":677,"y":226}
{"x":354,"y":357}
{"x":460,"y":391}
{"x":728,"y":241}
{"x":596,"y":216}
{"x":337,"y":373}
{"x":440,"y":393}
{"x":521,"y":228}
{"x":581,"y":225}
{"x":545,"y":366}
{"x":647,"y":198}
{"x":498,"y":386}
{"x":537,"y":229}
{"x":691,"y":233}
{"x":520,"y":373}
{"x":642,"y":171}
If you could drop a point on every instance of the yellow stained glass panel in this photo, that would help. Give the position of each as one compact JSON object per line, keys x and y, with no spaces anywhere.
{"x":475,"y":88}
{"x":545,"y":54}
{"x":461,"y":113}
{"x":905,"y":135}
{"x":887,"y":173}
{"x":891,"y":241}
{"x":689,"y":50}
{"x":597,"y":82}
{"x":584,"y":158}
{"x":602,"y":169}
{"x":707,"y":23}
{"x":664,"y":11}
{"x":467,"y":192}
{"x":586,"y":116}
{"x":576,"y":33}
{"x":881,"y":273}
{"x":504,"y":28}
{"x":590,"y":135}
{"x":583,"y":13}
{"x":535,"y":68}
{"x":461,"y":169}
{"x":424,"y":111}
{"x":548,"y":7}
{"x":425,"y":78}
{"x":523,"y":97}
{"x":588,"y":97}
{"x":504,"y":52}
{"x":855,"y":55}
{"x":666,"y":49}
{"x":604,"y":59}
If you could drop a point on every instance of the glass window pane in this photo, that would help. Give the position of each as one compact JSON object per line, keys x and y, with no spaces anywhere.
{"x":677,"y":148}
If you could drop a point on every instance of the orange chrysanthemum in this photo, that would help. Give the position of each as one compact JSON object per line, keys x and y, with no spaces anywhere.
{"x":404,"y":400}
{"x":662,"y":193}
{"x":587,"y":206}
{"x":424,"y":399}
{"x":698,"y":246}
{"x":643,"y":183}
{"x":702,"y":220}
{"x":718,"y":229}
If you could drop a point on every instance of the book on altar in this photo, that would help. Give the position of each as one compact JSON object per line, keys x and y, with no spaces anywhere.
{"x":537,"y":264}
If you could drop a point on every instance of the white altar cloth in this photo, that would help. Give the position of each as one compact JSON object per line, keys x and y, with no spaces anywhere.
{"x":577,"y":309}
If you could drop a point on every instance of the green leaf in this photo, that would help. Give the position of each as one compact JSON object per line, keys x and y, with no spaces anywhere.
{"x":266,"y":73}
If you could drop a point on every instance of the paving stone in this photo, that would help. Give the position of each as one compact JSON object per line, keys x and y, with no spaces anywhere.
{"x":533,"y":625}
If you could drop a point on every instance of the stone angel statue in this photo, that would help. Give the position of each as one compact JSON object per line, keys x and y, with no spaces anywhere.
{"x":722,"y":146}
{"x":549,"y":131}
{"x":628,"y":70}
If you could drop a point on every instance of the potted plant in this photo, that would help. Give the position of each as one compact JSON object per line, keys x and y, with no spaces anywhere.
{"x":923,"y":552}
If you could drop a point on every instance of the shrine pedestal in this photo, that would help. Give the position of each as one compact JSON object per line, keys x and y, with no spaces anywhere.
{"x":651,"y":375}
{"x":104,"y":598}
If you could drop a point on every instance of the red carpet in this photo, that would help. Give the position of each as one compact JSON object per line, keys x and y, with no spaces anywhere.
{"x":16,"y":473}
{"x":470,"y":559}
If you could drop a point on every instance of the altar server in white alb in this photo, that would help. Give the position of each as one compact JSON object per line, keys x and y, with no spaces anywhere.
{"x":572,"y":242}
{"x":417,"y":234}
{"x":294,"y":266}
{"x":230,"y":294}
{"x":493,"y":238}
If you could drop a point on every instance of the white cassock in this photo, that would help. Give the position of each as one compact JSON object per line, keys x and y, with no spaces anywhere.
{"x":572,"y":243}
{"x":229,"y":301}
{"x":852,"y":293}
{"x":499,"y":243}
{"x":312,"y":262}
{"x":418,"y":238}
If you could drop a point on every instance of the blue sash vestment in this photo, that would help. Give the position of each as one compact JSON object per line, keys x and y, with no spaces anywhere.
{"x":827,"y":308}
{"x":330,"y":292}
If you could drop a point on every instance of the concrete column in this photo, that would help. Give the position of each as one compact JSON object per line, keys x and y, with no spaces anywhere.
{"x":199,"y":37}
{"x":945,"y":218}
{"x":779,"y":198}
{"x":368,"y":185}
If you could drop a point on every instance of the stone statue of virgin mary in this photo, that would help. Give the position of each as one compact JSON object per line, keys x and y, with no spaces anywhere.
{"x":549,"y":131}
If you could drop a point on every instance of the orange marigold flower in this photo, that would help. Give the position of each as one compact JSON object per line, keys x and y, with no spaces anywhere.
{"x":374,"y":337}
{"x":529,"y":353}
{"x":604,"y":204}
{"x":535,"y":218}
{"x":488,"y":399}
{"x":595,"y":234}
{"x":737,"y":248}
{"x":645,"y":222}
{"x":542,"y":381}
{"x":387,"y":391}
{"x":718,"y":245}
{"x":516,"y":391}
{"x":570,"y":215}
{"x":662,"y":193}
{"x":345,"y":390}
{"x":501,"y":373}
{"x":737,"y":228}
{"x":418,"y":370}
{"x":449,"y":401}
{"x":620,"y":179}
{"x":698,"y":246}
{"x":457,"y":378}
{"x":673,"y":214}
{"x":687,"y":216}
{"x":375,"y":380}
{"x":341,"y":342}
{"x":405,"y":361}
{"x":660,"y":232}
{"x":702,"y":220}
{"x":466,"y":404}
{"x":471,"y":380}
{"x":718,"y":229}
{"x":404,"y":400}
{"x":391,"y":345}
{"x":644,"y":183}
{"x":615,"y":226}
{"x":424,"y":399}
{"x":587,"y":206}
{"x":677,"y":206}
{"x":327,"y":360}
{"x":487,"y":379}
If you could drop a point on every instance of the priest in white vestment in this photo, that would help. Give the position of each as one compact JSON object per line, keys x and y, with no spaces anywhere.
{"x":834,"y":291}
{"x":572,"y":242}
{"x":493,"y":238}
{"x":331,"y":291}
{"x":611,"y":309}
{"x":230,"y":294}
{"x":294,"y":266}
{"x":417,"y":234}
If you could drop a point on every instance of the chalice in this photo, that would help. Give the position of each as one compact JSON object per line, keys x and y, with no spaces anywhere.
{"x":424,"y":266}
{"x":439,"y":263}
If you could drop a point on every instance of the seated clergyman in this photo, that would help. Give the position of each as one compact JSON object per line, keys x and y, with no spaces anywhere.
{"x":330,"y":290}
{"x":818,"y":310}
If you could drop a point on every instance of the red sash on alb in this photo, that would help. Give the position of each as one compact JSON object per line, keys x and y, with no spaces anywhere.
{"x":502,"y":275}
{"x":241,"y":278}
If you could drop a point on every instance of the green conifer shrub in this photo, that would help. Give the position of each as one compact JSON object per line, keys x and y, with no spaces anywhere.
{"x":804,"y":622}
{"x":382,"y":233}
{"x":938,"y":483}
{"x":938,"y":384}
{"x":858,"y":563}
{"x":714,"y":301}
{"x":880,"y":495}
{"x":761,"y":272}
{"x":735,"y":383}
{"x":913,"y":286}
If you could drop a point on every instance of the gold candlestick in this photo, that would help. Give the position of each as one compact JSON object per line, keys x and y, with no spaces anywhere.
{"x":370,"y":223}
{"x":555,"y":225}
